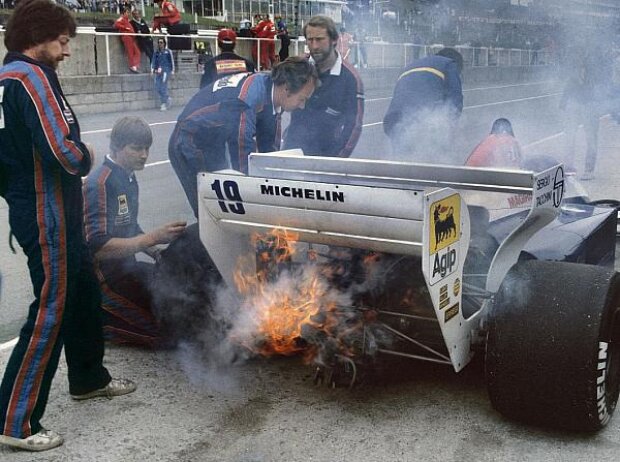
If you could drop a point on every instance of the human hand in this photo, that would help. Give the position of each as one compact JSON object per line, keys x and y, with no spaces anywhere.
{"x":168,"y":232}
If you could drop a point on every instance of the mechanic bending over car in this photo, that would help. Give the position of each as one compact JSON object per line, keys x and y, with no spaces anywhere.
{"x":426,"y":105}
{"x":115,"y":237}
{"x":499,"y":149}
{"x":229,"y":114}
{"x":331,"y":122}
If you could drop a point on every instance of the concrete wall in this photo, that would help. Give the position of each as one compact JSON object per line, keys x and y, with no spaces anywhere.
{"x":90,"y":89}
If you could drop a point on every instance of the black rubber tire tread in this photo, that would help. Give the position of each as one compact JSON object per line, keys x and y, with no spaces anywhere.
{"x":542,"y":347}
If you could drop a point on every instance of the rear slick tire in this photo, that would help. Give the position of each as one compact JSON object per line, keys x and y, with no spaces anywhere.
{"x":553,"y":345}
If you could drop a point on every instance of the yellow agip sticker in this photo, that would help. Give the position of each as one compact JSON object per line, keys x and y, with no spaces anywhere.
{"x":445,"y":227}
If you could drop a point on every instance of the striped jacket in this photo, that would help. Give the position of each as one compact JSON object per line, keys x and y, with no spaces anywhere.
{"x":40,"y":145}
{"x":235,"y":112}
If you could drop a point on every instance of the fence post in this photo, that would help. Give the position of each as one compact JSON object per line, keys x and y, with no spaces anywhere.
{"x":107,"y":52}
{"x":258,"y":55}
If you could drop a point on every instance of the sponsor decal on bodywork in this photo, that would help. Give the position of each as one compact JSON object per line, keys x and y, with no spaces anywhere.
{"x":601,"y":391}
{"x":445,"y":230}
{"x":452,"y":312}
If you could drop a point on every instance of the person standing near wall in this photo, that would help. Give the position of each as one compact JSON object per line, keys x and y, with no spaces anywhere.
{"x":162,"y":65}
{"x":227,"y":62}
{"x":44,"y":158}
{"x":123,"y":25}
{"x":145,"y":42}
{"x":285,"y":39}
{"x":331,"y":123}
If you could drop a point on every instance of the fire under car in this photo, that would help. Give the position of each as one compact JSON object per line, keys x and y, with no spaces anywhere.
{"x":346,"y":261}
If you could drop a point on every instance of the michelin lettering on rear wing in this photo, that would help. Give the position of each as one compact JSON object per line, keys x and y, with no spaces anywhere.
{"x":388,"y":207}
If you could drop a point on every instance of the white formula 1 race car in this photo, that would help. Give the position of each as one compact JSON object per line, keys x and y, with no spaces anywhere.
{"x":471,"y":260}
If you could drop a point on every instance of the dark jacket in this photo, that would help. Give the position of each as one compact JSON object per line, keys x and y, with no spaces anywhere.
{"x":110,"y":210}
{"x":331,"y":122}
{"x":238,"y":113}
{"x":429,"y":83}
{"x":226,"y":63}
{"x":40,"y":146}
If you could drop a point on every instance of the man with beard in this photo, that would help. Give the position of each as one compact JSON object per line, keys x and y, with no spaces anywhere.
{"x":331,"y":123}
{"x":238,"y":114}
{"x":115,"y":237}
{"x":44,"y":159}
{"x":425,"y":107}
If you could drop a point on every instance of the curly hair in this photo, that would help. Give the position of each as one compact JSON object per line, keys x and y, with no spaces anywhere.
{"x":37,"y":21}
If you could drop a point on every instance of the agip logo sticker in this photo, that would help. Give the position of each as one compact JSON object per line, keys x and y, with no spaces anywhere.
{"x":445,"y":231}
{"x":445,"y":225}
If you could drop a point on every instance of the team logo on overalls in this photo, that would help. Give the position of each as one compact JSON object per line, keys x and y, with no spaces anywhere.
{"x":123,"y":205}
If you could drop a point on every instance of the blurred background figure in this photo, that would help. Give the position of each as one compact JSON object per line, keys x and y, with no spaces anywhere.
{"x":584,"y":99}
{"x":162,"y":66}
{"x":344,"y":44}
{"x":499,"y":149}
{"x":427,"y":103}
{"x":145,"y":43}
{"x":285,"y":39}
{"x":123,"y":25}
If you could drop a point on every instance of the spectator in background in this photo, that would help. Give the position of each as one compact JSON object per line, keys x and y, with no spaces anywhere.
{"x":425,"y":108}
{"x":285,"y":39}
{"x":123,"y":25}
{"x":362,"y":57}
{"x":45,"y":159}
{"x":344,"y":44}
{"x":168,"y":16}
{"x":584,"y":100}
{"x":162,"y":65}
{"x":220,"y":126}
{"x":265,"y":30}
{"x":114,"y":237}
{"x":245,"y":28}
{"x":141,"y":27}
{"x":331,"y":122}
{"x":227,"y":62}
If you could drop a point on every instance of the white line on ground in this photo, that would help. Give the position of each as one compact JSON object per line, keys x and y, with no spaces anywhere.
{"x":497,"y":103}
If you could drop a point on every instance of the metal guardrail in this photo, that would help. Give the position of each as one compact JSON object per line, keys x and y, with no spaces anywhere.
{"x":366,"y":54}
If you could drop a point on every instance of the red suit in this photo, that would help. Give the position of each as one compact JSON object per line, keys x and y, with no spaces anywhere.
{"x":265,"y":30}
{"x":132,"y":51}
{"x":501,"y":150}
{"x":169,"y":16}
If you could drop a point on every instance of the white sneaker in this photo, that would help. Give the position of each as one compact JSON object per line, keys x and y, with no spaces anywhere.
{"x":42,"y":441}
{"x":116,"y":387}
{"x":163,"y":107}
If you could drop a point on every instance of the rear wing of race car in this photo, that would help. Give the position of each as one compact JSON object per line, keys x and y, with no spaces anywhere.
{"x":391,"y":207}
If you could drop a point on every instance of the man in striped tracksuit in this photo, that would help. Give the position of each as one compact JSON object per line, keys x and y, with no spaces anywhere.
{"x":44,"y":159}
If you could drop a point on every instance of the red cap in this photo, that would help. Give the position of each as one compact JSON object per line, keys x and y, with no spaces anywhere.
{"x":227,"y":36}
